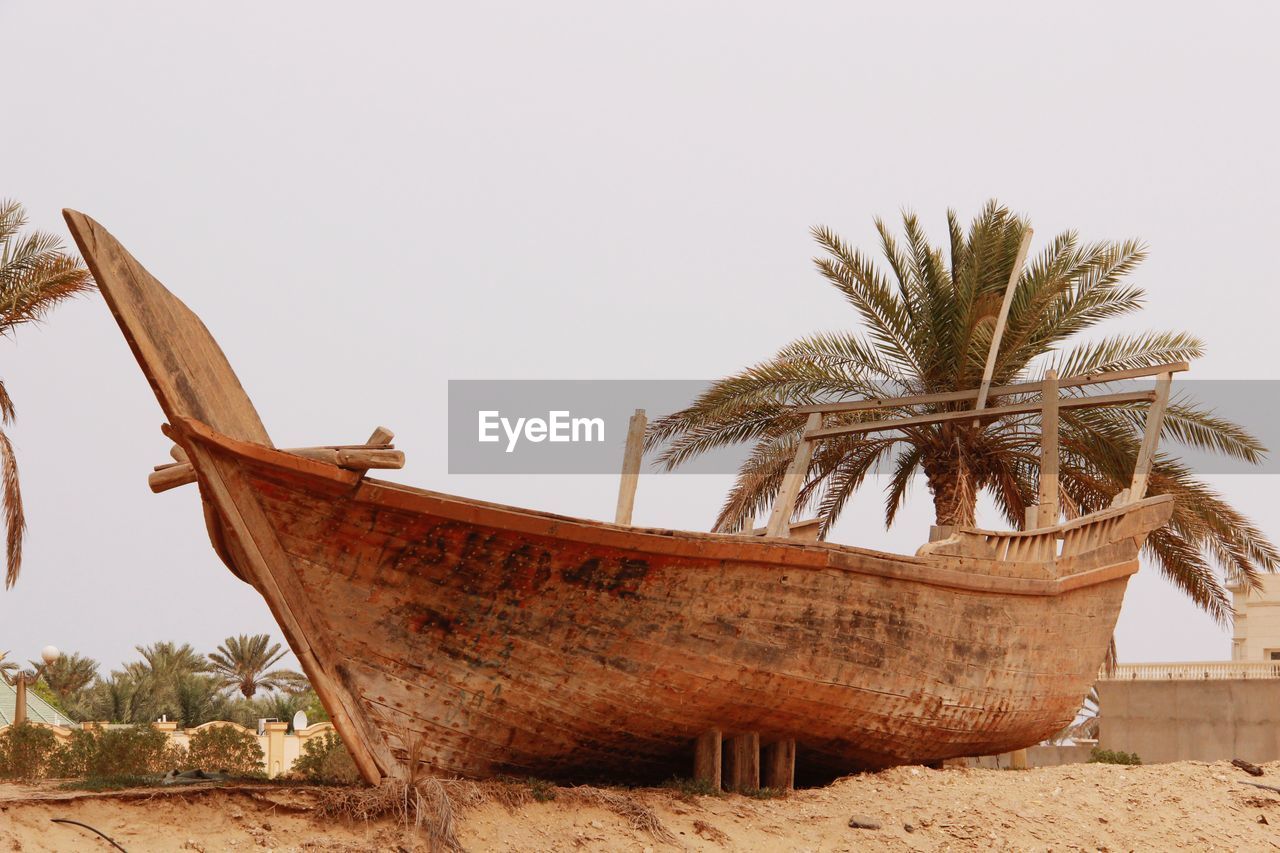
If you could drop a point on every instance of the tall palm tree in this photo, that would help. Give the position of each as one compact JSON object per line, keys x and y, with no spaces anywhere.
{"x":7,"y":667}
{"x":927,"y":326}
{"x":242,"y":663}
{"x":35,"y":274}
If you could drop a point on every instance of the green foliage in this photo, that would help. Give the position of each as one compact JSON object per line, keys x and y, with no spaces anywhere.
{"x":117,"y":753}
{"x":325,"y":758}
{"x":68,"y":679}
{"x":924,"y":324}
{"x":1108,"y":756}
{"x":764,"y":793}
{"x":693,"y":787}
{"x":315,"y":709}
{"x":113,"y":783}
{"x":41,"y":689}
{"x":26,"y":750}
{"x":227,"y":749}
{"x":541,"y":790}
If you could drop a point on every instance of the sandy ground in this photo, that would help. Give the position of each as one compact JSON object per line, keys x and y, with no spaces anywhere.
{"x":1188,"y":805}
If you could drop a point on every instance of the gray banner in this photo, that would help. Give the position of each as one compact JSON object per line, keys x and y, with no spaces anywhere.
{"x":580,"y":426}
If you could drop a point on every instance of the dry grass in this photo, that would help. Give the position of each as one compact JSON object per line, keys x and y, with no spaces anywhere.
{"x":636,"y":813}
{"x":425,"y":805}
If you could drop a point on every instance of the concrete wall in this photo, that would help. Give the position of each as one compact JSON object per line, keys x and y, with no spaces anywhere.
{"x":1200,"y":720}
{"x":1037,"y":756}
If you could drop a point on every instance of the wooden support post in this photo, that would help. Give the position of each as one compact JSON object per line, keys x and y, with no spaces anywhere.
{"x":742,"y":762}
{"x":998,"y":332}
{"x":779,"y":770}
{"x":1147,"y":452}
{"x":784,"y":505}
{"x":1049,"y":452}
{"x":706,"y":759}
{"x":631,"y":468}
{"x":1018,"y":759}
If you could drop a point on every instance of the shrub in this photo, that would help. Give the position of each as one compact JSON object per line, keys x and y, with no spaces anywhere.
{"x":693,"y":787}
{"x":25,"y":751}
{"x":325,"y":758}
{"x":1108,"y":756}
{"x":127,"y":752}
{"x":228,"y":749}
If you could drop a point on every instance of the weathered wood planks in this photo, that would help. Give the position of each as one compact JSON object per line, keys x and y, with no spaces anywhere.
{"x":485,"y":639}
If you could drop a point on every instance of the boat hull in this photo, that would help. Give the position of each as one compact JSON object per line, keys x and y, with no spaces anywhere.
{"x":475,"y":639}
{"x":485,"y":640}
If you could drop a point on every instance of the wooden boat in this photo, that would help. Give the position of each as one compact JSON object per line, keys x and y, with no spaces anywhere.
{"x":482,"y":639}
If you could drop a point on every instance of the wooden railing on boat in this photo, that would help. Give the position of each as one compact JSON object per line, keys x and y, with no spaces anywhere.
{"x":1047,"y":510}
{"x":377,"y":452}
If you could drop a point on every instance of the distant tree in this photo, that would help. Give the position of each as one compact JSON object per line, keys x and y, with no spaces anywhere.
{"x":69,"y":678}
{"x":7,"y":667}
{"x":167,"y":661}
{"x":35,"y":274}
{"x":316,"y":712}
{"x":242,"y":663}
{"x":281,"y":706}
{"x":124,"y":696}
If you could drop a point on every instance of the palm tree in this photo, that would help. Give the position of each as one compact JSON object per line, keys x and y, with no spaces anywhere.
{"x":7,"y":667}
{"x":69,"y":677}
{"x":35,"y":275}
{"x":166,"y":661}
{"x":927,"y":327}
{"x":242,"y":663}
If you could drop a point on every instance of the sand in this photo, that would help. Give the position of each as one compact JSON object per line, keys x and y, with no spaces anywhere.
{"x":1188,"y":805}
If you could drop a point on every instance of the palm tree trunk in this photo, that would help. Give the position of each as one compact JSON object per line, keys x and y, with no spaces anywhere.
{"x":955,"y":500}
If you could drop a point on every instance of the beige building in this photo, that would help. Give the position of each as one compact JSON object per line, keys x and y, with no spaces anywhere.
{"x":1257,"y":621}
{"x":1204,"y":710}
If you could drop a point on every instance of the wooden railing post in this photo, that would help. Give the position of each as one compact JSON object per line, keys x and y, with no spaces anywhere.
{"x":631,"y":468}
{"x":1048,"y":515}
{"x":784,"y":504}
{"x":1147,"y":452}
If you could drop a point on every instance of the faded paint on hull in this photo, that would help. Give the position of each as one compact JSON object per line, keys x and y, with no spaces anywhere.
{"x":509,"y":641}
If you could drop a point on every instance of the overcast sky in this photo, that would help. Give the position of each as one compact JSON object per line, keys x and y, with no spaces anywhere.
{"x":364,"y":201}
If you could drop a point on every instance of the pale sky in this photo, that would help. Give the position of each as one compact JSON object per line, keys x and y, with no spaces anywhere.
{"x":364,"y":201}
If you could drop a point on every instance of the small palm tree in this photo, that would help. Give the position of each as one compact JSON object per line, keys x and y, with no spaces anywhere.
{"x":35,"y":274}
{"x":7,"y":667}
{"x":243,"y":662}
{"x":927,"y":327}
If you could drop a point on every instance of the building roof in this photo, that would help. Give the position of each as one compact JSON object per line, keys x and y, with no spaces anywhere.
{"x":38,"y":710}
